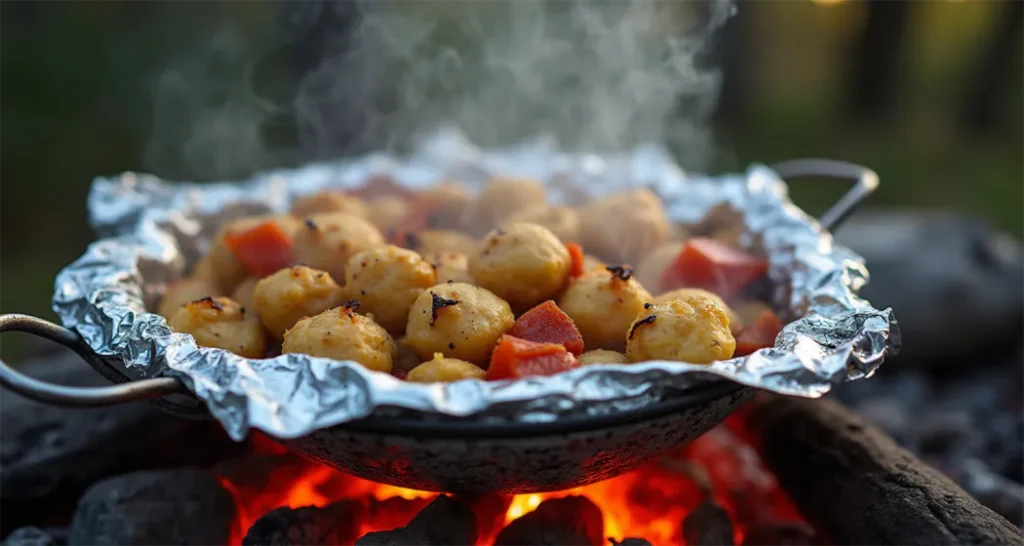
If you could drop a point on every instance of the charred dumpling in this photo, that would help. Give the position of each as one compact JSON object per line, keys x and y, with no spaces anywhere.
{"x":386,"y":281}
{"x":327,"y":241}
{"x":180,"y":293}
{"x":442,"y":369}
{"x":343,"y":334}
{"x":692,"y":329}
{"x":603,"y":303}
{"x":459,"y":321}
{"x":287,"y":296}
{"x":221,"y":323}
{"x":524,"y":264}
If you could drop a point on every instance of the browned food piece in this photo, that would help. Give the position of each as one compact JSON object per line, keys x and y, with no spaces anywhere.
{"x":603,"y":303}
{"x":388,"y":212}
{"x":441,"y":369}
{"x":431,"y":241}
{"x":243,"y":294}
{"x":735,"y":323}
{"x":293,"y":293}
{"x":693,"y":329}
{"x":328,"y":201}
{"x":327,"y":241}
{"x":564,"y":222}
{"x":221,"y":323}
{"x":225,"y":268}
{"x":501,"y":198}
{"x":180,"y":293}
{"x":386,"y":280}
{"x":452,"y":202}
{"x":624,"y":227}
{"x":458,"y":320}
{"x":524,"y":264}
{"x":450,"y":267}
{"x":602,"y":356}
{"x":343,"y":334}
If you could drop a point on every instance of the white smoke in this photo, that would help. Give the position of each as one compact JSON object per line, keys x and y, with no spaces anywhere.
{"x":599,"y":75}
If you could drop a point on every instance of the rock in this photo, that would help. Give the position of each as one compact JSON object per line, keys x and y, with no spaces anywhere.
{"x":955,"y":285}
{"x":178,"y":506}
{"x":29,"y":536}
{"x":49,"y":452}
{"x":337,"y":523}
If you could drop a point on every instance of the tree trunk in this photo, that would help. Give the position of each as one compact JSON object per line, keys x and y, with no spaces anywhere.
{"x":874,"y":67}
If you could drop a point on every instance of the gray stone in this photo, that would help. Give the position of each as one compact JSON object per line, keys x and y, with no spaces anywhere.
{"x":956,"y":286}
{"x":29,"y":536}
{"x":48,"y":451}
{"x":179,"y":506}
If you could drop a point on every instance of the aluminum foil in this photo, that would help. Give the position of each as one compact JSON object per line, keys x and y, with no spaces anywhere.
{"x":153,"y":229}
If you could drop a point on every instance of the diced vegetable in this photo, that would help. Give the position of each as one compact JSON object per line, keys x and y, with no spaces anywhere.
{"x":546,"y":323}
{"x":514,"y":358}
{"x":759,"y":335}
{"x":710,"y":265}
{"x":262,"y":250}
{"x":576,"y":254}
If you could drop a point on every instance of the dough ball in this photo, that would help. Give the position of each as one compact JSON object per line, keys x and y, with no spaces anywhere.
{"x":735,"y":324}
{"x":186,"y":290}
{"x":291,"y":294}
{"x":343,"y":334}
{"x":564,"y":222}
{"x":450,"y":267}
{"x":223,"y":265}
{"x":603,"y":304}
{"x":439,"y":240}
{"x":328,"y":201}
{"x":501,"y":198}
{"x":602,"y":356}
{"x":651,"y":268}
{"x":525,"y":264}
{"x":445,"y":370}
{"x":386,"y":280}
{"x":327,"y":241}
{"x":458,"y":320}
{"x":387,"y":212}
{"x":624,"y":227}
{"x":223,"y":324}
{"x":693,"y":329}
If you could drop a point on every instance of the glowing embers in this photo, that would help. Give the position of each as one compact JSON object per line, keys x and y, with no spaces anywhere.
{"x":716,"y":487}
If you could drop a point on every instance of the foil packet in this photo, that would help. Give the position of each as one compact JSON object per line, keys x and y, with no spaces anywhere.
{"x":153,"y":229}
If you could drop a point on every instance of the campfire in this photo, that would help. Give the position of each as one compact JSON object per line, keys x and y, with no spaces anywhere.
{"x":713,"y":491}
{"x":778,"y":471}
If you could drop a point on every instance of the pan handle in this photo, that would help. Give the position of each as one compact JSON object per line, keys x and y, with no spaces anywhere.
{"x":866,"y":182}
{"x":125,"y":391}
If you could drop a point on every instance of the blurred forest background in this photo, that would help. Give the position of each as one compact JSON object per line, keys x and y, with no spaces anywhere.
{"x":929,"y":94}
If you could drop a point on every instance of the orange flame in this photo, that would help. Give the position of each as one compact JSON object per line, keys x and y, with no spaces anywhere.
{"x":651,"y":502}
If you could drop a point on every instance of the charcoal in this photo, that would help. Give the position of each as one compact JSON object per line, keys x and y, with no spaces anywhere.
{"x":49,"y":455}
{"x":336,"y":523}
{"x":393,"y":512}
{"x":568,"y":521}
{"x":779,"y":534}
{"x":30,"y":536}
{"x":708,"y":525}
{"x":964,"y":295}
{"x":443,"y":522}
{"x":835,"y":467}
{"x":629,"y":542}
{"x":178,"y":506}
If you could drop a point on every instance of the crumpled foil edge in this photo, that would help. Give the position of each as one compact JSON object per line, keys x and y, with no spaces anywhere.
{"x":152,"y":228}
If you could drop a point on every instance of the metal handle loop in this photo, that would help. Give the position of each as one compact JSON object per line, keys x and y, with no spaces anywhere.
{"x":41,"y":391}
{"x":865,"y":178}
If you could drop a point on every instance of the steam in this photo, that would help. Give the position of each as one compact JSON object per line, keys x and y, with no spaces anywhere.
{"x":599,"y":75}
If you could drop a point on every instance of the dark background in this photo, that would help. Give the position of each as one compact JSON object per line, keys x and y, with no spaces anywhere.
{"x":929,"y":94}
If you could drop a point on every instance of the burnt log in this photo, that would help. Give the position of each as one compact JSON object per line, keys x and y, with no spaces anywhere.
{"x":30,"y":536}
{"x":443,"y":522}
{"x":179,"y":506}
{"x":708,"y":525}
{"x":336,"y":523}
{"x":49,"y":454}
{"x":833,"y":465}
{"x":568,"y":521}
